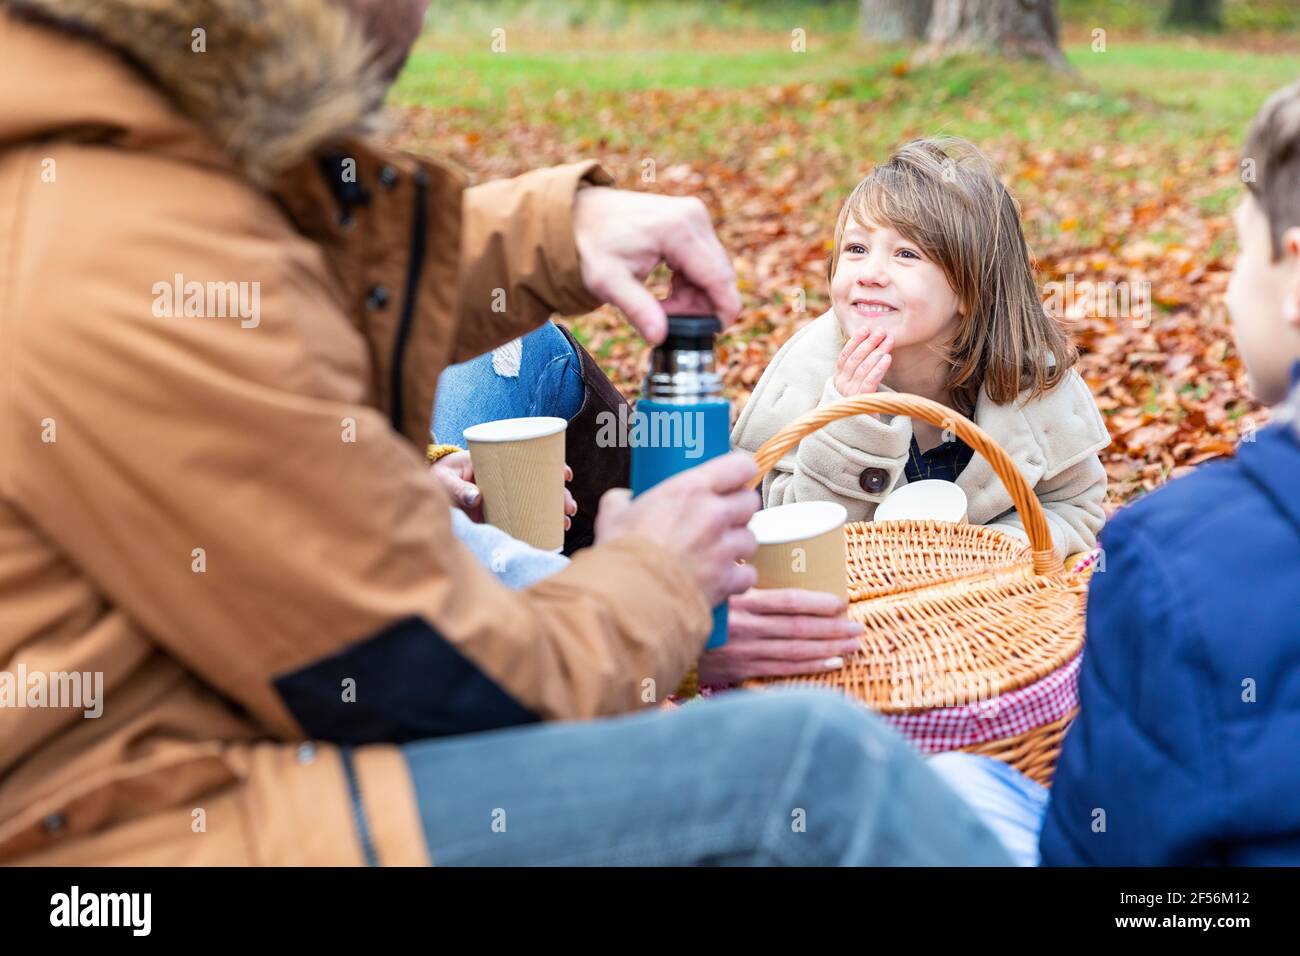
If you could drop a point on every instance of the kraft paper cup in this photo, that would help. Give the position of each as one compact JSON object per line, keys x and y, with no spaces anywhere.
{"x":519,"y":468}
{"x":802,"y":546}
{"x":929,"y":500}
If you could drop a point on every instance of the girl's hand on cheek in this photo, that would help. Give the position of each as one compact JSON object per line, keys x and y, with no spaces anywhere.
{"x":863,"y":362}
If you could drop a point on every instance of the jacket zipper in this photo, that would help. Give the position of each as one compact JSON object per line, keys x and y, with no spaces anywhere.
{"x":414,"y":270}
{"x":364,"y":838}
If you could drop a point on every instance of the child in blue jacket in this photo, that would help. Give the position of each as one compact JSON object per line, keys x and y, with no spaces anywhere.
{"x":1187,"y":746}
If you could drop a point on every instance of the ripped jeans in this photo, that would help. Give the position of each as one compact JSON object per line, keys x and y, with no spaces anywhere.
{"x":538,"y":374}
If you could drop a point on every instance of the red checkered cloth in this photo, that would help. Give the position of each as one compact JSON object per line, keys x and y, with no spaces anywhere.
{"x":1087,"y":561}
{"x":1006,"y":715}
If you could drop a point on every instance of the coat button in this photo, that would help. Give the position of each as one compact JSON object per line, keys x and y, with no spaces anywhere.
{"x":377,"y":298}
{"x":873,"y":480}
{"x":54,"y":824}
{"x":388,"y":177}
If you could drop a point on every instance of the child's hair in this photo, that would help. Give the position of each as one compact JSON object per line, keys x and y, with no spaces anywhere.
{"x":1273,"y":155}
{"x":944,"y":195}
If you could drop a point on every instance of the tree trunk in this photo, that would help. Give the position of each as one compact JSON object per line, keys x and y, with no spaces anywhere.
{"x":1013,"y":28}
{"x":1196,"y":14}
{"x":894,"y":21}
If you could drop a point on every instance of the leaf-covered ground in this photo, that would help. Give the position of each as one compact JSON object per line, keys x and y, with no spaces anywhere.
{"x":1126,"y":172}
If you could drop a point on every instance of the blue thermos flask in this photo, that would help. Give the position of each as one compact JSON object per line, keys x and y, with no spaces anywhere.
{"x":682,"y":420}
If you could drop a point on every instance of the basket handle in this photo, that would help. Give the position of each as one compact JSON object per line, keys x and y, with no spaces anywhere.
{"x":1027,"y":504}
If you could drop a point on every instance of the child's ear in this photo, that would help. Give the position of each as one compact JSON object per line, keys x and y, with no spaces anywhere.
{"x":1291,"y":261}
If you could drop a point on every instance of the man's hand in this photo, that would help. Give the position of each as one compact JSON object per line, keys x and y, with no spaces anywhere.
{"x":455,"y":472}
{"x":621,"y":237}
{"x":781,"y":632}
{"x":699,"y":517}
{"x":863,"y":362}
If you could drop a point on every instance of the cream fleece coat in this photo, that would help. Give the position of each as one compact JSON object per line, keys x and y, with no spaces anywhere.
{"x":1054,"y":441}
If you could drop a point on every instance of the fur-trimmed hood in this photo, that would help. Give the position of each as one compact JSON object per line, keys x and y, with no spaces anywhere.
{"x":268,"y":80}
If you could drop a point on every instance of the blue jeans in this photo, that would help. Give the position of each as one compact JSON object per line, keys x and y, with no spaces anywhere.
{"x":539,"y":374}
{"x":1008,"y":802}
{"x":785,"y":778}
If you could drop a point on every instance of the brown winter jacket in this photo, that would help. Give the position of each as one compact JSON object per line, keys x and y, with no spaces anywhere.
{"x":223,"y":509}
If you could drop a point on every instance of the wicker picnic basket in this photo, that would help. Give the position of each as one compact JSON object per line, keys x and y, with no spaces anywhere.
{"x":955,"y":614}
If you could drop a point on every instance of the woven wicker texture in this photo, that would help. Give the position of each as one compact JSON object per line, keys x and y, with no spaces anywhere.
{"x":884,"y":557}
{"x":1033,"y":753}
{"x":953,"y":613}
{"x":959,"y":642}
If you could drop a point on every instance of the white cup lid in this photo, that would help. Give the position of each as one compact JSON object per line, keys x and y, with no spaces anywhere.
{"x":932,"y":499}
{"x":515,"y":429}
{"x":797,"y":522}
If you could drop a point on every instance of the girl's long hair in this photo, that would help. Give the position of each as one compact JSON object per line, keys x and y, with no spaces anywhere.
{"x":945,"y":195}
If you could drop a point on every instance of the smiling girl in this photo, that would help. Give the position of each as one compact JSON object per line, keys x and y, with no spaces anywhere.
{"x":933,"y":294}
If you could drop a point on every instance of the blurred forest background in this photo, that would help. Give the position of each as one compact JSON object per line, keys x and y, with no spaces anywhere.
{"x":1117,"y":125}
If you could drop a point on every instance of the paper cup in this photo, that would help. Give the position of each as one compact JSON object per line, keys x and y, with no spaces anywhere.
{"x":519,"y":468}
{"x":802,"y":546}
{"x":929,"y":500}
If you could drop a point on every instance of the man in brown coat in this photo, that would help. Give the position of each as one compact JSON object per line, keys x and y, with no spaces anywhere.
{"x":234,"y":617}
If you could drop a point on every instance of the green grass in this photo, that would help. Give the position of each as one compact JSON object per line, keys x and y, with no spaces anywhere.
{"x":682,"y":17}
{"x":1205,"y":86}
{"x":1155,"y":88}
{"x":1148,"y":15}
{"x":598,"y":47}
{"x":466,"y":19}
{"x":473,"y":79}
